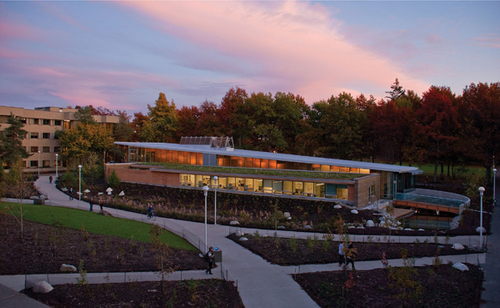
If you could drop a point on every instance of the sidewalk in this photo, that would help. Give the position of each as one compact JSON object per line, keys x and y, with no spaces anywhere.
{"x":260,"y":283}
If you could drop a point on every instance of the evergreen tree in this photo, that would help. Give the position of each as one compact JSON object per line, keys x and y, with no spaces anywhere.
{"x":11,"y":149}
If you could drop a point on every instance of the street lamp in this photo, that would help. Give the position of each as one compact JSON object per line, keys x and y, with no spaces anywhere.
{"x":215,"y":216}
{"x":79,"y":182}
{"x":205,"y":192}
{"x":494,"y":188}
{"x":481,"y":191}
{"x":38,"y":163}
{"x":57,"y":166}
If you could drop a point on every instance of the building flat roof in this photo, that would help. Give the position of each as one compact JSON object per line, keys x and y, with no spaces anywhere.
{"x":206,"y":149}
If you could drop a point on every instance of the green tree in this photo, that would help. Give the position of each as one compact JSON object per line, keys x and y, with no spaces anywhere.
{"x":93,"y":167}
{"x":85,"y":115}
{"x":161,"y":124}
{"x":396,"y":92}
{"x":123,"y":130}
{"x":341,"y":127}
{"x":83,"y":139}
{"x":11,"y":149}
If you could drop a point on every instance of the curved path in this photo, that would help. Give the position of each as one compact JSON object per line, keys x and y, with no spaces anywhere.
{"x":259,"y":283}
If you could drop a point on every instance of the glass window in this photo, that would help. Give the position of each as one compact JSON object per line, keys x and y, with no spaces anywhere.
{"x":57,"y":149}
{"x":46,"y":121}
{"x":57,"y":122}
{"x":34,"y":121}
{"x":33,"y":163}
{"x":46,"y":149}
{"x":34,"y":135}
{"x":268,"y":186}
{"x":287,"y":187}
{"x":308,"y":189}
{"x":277,"y":187}
{"x":45,"y":135}
{"x":319,"y":190}
{"x":34,"y":149}
{"x":257,"y":184}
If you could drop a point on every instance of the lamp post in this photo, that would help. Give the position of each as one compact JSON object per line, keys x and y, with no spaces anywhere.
{"x":205,"y":192}
{"x":79,"y":182}
{"x":215,"y":216}
{"x":38,"y":163}
{"x":494,"y":187}
{"x":57,"y":166}
{"x":481,"y":191}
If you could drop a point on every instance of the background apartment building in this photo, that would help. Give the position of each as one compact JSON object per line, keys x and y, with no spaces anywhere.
{"x":41,"y":124}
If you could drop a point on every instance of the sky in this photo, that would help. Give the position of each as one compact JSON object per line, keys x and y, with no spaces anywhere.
{"x":120,"y":55}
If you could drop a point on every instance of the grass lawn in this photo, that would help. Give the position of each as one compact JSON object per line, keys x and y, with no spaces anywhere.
{"x":94,"y":223}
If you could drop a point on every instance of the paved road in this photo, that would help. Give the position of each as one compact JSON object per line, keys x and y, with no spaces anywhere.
{"x":260,"y":283}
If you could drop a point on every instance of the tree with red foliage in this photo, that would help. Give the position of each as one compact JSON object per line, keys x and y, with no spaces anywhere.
{"x":438,"y":122}
{"x":480,"y":111}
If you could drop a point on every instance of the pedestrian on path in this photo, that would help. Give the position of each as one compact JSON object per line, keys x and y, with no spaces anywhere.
{"x":71,"y":193}
{"x":100,"y":204}
{"x":341,"y":254}
{"x":384,"y":260}
{"x":350,"y":255}
{"x":209,"y":257}
{"x":90,"y":203}
{"x":50,"y":179}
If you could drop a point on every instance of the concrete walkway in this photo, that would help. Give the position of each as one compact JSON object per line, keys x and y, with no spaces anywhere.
{"x":260,"y":283}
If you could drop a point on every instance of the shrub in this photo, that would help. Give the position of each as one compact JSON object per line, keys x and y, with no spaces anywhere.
{"x":114,"y":180}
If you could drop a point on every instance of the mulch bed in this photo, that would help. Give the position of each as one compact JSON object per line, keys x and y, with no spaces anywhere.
{"x":293,"y":251}
{"x":187,"y":293}
{"x":442,"y":286}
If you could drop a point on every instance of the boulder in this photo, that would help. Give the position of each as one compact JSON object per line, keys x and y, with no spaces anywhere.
{"x":354,"y":211}
{"x":478,"y":230}
{"x":308,"y":227}
{"x":460,"y":266}
{"x":458,"y":246}
{"x":408,"y":229}
{"x":337,"y":206}
{"x":370,"y":223}
{"x":281,"y":227}
{"x":42,"y":287}
{"x":243,"y":239}
{"x":286,"y":215}
{"x":234,"y":223}
{"x":68,"y":268}
{"x":421,"y":229}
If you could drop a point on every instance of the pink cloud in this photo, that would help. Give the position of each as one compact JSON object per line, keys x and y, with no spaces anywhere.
{"x":489,"y":40}
{"x":290,"y":42}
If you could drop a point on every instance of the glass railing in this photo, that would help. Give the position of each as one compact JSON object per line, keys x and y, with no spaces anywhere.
{"x":429,"y":199}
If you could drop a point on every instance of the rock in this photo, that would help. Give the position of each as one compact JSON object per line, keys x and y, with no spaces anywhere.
{"x":42,"y":287}
{"x":68,"y":268}
{"x":354,"y":211}
{"x":360,"y":227}
{"x":455,"y":223}
{"x":421,"y":229}
{"x":458,"y":246}
{"x":308,"y":227}
{"x":460,"y":266}
{"x":281,"y":227}
{"x":408,"y":229}
{"x":243,"y":239}
{"x":478,"y":230}
{"x":239,"y":233}
{"x":234,"y":223}
{"x":286,"y":215}
{"x":370,"y":223}
{"x":337,"y":206}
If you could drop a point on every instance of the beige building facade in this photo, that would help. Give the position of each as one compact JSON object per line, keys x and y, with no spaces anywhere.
{"x":41,"y":124}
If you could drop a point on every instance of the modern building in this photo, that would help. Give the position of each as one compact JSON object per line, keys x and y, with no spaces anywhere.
{"x":233,"y":170}
{"x":41,"y":125}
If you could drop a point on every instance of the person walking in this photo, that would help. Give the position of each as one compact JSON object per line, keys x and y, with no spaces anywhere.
{"x":90,"y":203}
{"x":50,"y":179}
{"x":100,"y":204}
{"x":341,"y":254}
{"x":384,"y":260}
{"x":71,"y":193}
{"x":350,"y":255}
{"x":209,"y":257}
